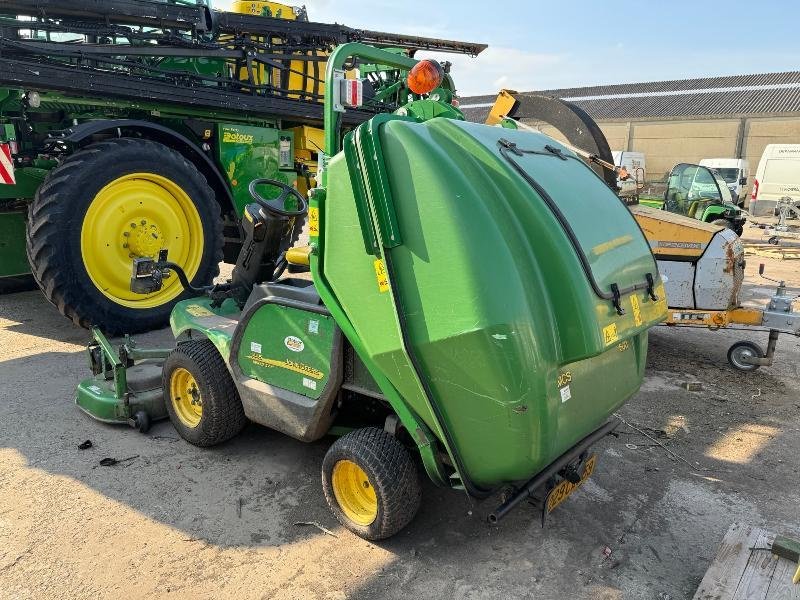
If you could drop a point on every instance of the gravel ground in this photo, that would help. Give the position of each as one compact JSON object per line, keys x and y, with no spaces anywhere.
{"x":183,"y":522}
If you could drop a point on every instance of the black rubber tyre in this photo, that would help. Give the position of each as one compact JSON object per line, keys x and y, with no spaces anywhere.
{"x":56,"y":217}
{"x":741,"y":349}
{"x":222,"y":413}
{"x":391,"y":473}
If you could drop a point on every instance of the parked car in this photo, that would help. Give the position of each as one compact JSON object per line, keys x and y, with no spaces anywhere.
{"x":777,"y":176}
{"x":735,"y":172}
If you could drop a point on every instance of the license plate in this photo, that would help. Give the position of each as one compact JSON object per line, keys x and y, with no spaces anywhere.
{"x":562,"y":491}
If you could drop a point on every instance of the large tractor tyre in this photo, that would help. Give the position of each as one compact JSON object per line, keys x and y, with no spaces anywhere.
{"x":201,"y":398}
{"x":108,"y":204}
{"x":371,"y":483}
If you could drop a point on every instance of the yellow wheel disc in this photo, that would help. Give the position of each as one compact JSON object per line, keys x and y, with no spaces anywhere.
{"x":354,"y":492}
{"x":135,"y":216}
{"x":185,"y":397}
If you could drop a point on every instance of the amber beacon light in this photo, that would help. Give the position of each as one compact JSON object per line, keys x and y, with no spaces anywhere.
{"x":425,"y":77}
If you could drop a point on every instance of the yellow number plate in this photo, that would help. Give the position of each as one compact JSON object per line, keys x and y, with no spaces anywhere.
{"x":562,"y":491}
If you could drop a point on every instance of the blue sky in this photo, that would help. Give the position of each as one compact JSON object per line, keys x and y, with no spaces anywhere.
{"x":539,"y":45}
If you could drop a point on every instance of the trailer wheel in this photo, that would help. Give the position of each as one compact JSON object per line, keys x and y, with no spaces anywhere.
{"x":740,"y":351}
{"x":107,"y":204}
{"x":201,"y":398}
{"x":371,"y":483}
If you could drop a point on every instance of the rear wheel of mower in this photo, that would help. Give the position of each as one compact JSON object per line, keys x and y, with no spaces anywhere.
{"x":107,"y":204}
{"x":371,"y":483}
{"x":740,"y":351}
{"x":201,"y":398}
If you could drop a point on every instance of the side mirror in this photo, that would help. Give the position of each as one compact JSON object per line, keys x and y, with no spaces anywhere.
{"x":743,"y":181}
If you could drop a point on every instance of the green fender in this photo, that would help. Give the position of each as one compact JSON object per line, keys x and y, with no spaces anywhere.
{"x":196,"y":315}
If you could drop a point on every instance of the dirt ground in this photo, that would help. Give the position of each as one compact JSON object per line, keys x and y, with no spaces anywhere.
{"x":178,"y":521}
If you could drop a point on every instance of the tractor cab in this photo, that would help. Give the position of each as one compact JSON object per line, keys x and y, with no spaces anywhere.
{"x":700,"y":193}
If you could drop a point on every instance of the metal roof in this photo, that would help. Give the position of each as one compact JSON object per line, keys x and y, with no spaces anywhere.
{"x":763,"y":93}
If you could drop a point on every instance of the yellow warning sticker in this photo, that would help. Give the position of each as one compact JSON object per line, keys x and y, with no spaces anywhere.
{"x":637,"y":311}
{"x":383,"y":278}
{"x":313,"y":221}
{"x":610,"y":334}
{"x":290,"y":365}
{"x":198,"y":311}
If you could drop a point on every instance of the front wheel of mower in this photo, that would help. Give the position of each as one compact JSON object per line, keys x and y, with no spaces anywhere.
{"x":201,"y":398}
{"x":371,"y":483}
{"x":740,"y":351}
{"x":107,"y":204}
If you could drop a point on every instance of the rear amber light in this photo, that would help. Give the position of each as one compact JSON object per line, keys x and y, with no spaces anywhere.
{"x":425,"y":77}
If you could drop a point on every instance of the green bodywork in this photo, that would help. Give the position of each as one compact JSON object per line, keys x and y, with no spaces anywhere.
{"x":242,"y":149}
{"x":12,"y":244}
{"x":246,"y":153}
{"x":109,"y":396}
{"x":288,"y":348}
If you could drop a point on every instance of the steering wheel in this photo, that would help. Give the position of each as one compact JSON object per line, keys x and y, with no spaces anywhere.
{"x":275,"y":205}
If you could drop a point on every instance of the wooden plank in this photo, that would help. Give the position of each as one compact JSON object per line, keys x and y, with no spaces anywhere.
{"x":757,"y":575}
{"x":781,"y":587}
{"x":725,"y":573}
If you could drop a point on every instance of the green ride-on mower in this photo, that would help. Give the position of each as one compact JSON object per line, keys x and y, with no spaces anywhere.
{"x":462,"y":312}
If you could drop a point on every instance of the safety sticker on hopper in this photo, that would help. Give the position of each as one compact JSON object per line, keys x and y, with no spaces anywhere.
{"x":290,"y":365}
{"x":380,"y":274}
{"x":313,"y":221}
{"x":610,"y":334}
{"x":637,"y":311}
{"x":198,"y":311}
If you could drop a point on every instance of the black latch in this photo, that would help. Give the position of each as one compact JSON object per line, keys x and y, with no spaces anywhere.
{"x":616,"y":299}
{"x":651,"y":284}
{"x":556,"y":151}
{"x":510,"y":146}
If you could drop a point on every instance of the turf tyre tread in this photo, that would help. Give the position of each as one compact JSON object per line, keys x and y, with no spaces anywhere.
{"x":392,"y":473}
{"x":223,"y":416}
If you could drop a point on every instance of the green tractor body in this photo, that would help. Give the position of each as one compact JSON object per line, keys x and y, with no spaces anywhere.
{"x":145,"y":133}
{"x":462,"y":305}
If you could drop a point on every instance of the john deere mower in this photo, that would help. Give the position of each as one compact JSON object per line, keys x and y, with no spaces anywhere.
{"x":463,"y":312}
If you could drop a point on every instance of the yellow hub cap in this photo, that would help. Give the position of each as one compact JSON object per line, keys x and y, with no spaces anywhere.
{"x":354,"y":493}
{"x":185,"y":397}
{"x":135,"y":216}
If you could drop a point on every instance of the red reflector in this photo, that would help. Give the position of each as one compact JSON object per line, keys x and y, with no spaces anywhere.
{"x":6,"y":166}
{"x":352,"y":93}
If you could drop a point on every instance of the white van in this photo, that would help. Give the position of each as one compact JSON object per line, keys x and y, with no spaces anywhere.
{"x":634,"y":162}
{"x":735,"y":172}
{"x":778,"y":175}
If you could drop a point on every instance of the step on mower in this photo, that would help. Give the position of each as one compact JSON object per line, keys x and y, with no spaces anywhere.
{"x":463,"y":313}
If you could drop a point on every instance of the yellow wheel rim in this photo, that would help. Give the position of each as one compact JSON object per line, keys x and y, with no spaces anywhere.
{"x":184,"y":394}
{"x":135,"y":216}
{"x":354,"y":492}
